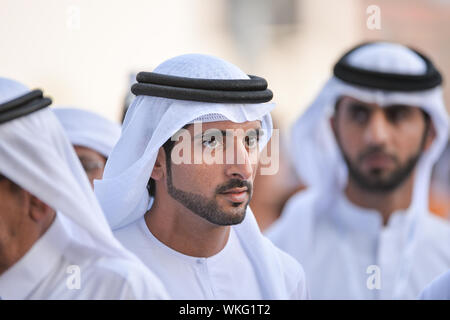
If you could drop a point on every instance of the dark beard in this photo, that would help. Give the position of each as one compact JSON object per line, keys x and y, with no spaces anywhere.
{"x":376,"y":184}
{"x":208,"y":208}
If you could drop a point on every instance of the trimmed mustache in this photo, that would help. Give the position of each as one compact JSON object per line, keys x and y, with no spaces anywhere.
{"x":374,"y":151}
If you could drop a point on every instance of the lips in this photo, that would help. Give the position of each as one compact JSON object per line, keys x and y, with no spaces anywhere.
{"x":378,"y":161}
{"x":236,"y":190}
{"x":236,"y":194}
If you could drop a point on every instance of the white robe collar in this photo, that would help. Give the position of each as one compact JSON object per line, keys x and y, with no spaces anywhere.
{"x":225,"y":252}
{"x":367,"y":220}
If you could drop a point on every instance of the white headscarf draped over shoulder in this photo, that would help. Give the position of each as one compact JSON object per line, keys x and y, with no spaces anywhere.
{"x":36,"y":155}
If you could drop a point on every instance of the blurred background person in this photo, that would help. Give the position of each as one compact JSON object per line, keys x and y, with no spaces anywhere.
{"x":92,"y":136}
{"x":366,"y":147}
{"x":440,"y":185}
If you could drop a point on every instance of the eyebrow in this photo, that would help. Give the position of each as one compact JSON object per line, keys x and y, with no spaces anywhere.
{"x":257,"y":130}
{"x":201,"y":135}
{"x":357,"y":104}
{"x":399,"y":106}
{"x":224,"y":133}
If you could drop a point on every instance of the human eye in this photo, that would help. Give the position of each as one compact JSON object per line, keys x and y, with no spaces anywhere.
{"x":212,"y":140}
{"x":90,"y":165}
{"x":252,"y":139}
{"x":397,"y":113}
{"x":359,"y":113}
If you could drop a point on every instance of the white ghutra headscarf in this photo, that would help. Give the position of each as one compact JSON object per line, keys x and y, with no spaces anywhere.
{"x":88,"y":129}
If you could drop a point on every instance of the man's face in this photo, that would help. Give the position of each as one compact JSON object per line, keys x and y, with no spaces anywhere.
{"x":23,"y":219}
{"x":217,"y":192}
{"x":92,"y":162}
{"x":381,"y":146}
{"x":13,"y":211}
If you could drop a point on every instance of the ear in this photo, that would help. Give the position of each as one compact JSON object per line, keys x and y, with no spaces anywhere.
{"x":333,"y":126}
{"x":159,"y":168}
{"x":431,"y":135}
{"x":40,"y":212}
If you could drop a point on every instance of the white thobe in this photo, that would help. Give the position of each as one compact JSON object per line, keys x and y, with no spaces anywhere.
{"x":347,"y":253}
{"x":439,"y":289}
{"x":56,"y":267}
{"x":226,"y":275}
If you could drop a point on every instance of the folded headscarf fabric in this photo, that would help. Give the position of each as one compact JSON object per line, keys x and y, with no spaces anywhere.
{"x":88,"y":129}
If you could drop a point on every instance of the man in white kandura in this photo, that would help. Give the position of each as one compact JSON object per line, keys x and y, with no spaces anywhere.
{"x":189,"y":220}
{"x":55,"y":242}
{"x":365,"y":148}
{"x":92,"y":136}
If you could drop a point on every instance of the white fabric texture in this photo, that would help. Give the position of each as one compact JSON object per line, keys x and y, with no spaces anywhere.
{"x":316,"y":154}
{"x":439,"y":289}
{"x":187,"y":277}
{"x":347,"y":247}
{"x":216,"y":277}
{"x":149,"y":122}
{"x":88,"y":129}
{"x":36,"y":155}
{"x":54,"y":261}
{"x":210,"y":117}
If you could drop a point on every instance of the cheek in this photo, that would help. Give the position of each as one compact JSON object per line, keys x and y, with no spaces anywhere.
{"x":196,"y":178}
{"x":255,"y":171}
{"x":12,"y":210}
{"x":407,"y":140}
{"x":351,"y":140}
{"x":9,"y":200}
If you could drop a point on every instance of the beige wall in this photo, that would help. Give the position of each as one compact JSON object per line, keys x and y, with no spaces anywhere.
{"x":89,"y":66}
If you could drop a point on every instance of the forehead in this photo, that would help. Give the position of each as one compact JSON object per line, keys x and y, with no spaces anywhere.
{"x":349,"y":101}
{"x":87,"y":152}
{"x":4,"y":181}
{"x":229,"y":125}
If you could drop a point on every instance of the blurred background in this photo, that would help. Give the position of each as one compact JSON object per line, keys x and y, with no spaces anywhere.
{"x":84,"y":53}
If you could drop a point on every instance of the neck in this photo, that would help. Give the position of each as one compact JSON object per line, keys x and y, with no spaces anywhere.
{"x":384,"y":202}
{"x":184,"y":231}
{"x":11,"y":252}
{"x":17,"y":244}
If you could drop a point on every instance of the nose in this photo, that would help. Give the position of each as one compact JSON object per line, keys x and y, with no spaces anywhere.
{"x":377,"y":130}
{"x":240,"y":166}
